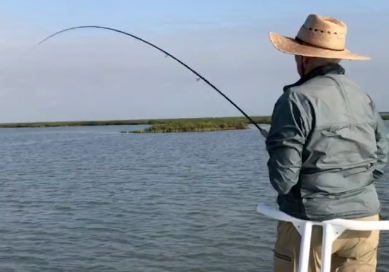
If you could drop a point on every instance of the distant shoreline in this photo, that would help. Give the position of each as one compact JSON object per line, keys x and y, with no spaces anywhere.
{"x":257,"y":119}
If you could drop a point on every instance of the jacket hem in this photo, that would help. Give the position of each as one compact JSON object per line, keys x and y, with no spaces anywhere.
{"x":349,"y":215}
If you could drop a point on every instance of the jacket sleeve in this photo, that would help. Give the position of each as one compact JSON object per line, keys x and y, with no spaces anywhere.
{"x":290,"y":125}
{"x":382,"y":147}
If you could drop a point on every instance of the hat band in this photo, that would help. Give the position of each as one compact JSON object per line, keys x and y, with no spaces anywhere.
{"x":300,"y":41}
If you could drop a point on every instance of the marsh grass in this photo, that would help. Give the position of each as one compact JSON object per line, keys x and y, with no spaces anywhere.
{"x":257,"y":119}
{"x":261,"y":120}
{"x":200,"y":126}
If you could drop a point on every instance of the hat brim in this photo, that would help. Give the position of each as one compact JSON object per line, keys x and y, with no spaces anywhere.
{"x":290,"y":46}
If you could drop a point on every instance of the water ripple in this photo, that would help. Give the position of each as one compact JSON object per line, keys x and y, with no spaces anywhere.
{"x":92,"y":199}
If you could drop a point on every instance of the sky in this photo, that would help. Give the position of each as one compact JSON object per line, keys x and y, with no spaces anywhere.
{"x":91,"y":74}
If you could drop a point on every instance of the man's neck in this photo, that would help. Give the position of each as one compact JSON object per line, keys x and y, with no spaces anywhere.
{"x":309,"y":68}
{"x":324,"y":69}
{"x":318,"y":71}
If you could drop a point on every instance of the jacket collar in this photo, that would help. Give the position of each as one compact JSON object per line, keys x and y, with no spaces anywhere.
{"x":318,"y":71}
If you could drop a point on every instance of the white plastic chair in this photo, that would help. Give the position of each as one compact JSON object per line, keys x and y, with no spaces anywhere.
{"x":331,"y":231}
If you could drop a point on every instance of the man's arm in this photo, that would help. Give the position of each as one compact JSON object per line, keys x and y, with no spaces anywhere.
{"x":290,"y":125}
{"x":382,"y":147}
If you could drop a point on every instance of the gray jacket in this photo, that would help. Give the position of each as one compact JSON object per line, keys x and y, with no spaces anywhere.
{"x":327,"y":146}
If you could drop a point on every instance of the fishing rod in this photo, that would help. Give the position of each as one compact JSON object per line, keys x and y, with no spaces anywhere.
{"x":166,"y":54}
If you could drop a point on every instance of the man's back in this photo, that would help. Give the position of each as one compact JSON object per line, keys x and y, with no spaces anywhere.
{"x":339,"y":156}
{"x":327,"y":146}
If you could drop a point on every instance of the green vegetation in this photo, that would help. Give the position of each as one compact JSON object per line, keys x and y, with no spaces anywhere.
{"x":199,"y":126}
{"x":257,"y":119}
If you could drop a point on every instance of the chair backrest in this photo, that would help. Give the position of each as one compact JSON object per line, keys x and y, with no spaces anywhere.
{"x":331,"y":231}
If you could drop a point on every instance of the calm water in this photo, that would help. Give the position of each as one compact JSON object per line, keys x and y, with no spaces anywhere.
{"x":92,"y":199}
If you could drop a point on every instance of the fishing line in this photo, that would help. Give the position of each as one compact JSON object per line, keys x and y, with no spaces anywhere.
{"x":166,"y":55}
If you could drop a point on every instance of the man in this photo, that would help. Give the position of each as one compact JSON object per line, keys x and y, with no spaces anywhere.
{"x":327,"y":147}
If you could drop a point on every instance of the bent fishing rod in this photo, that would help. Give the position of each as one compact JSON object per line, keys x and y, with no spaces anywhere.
{"x":166,"y":54}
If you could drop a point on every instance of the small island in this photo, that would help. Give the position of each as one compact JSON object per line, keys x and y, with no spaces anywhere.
{"x":199,"y":126}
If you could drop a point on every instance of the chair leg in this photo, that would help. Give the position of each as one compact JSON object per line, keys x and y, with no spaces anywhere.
{"x":305,"y":231}
{"x":330,"y":234}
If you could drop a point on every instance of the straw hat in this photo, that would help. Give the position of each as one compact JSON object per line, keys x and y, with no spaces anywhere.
{"x":320,"y":37}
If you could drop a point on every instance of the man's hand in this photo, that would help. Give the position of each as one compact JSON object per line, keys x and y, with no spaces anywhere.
{"x":264,"y":132}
